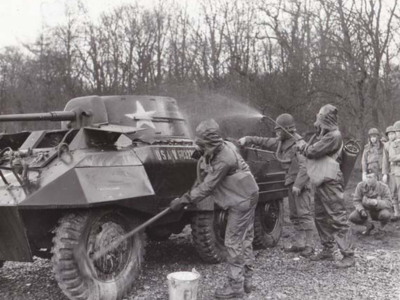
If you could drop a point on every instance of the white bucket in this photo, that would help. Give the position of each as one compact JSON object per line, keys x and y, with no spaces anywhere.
{"x":183,"y":285}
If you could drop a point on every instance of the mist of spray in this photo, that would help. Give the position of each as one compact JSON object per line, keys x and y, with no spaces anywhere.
{"x":221,"y":107}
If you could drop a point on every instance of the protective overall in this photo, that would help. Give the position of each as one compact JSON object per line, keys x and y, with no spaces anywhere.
{"x":230,"y":183}
{"x":379,"y":210}
{"x":372,"y":156}
{"x":296,"y":176}
{"x":388,"y":172}
{"x":391,"y":165}
{"x":330,"y":211}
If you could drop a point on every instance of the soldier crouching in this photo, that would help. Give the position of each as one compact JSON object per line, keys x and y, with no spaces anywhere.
{"x":372,"y":197}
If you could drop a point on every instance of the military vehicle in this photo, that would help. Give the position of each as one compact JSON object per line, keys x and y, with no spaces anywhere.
{"x":115,"y":162}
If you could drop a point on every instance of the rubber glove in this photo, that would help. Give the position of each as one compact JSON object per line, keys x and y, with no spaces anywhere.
{"x":242,"y":141}
{"x":296,"y":191}
{"x":177,"y":204}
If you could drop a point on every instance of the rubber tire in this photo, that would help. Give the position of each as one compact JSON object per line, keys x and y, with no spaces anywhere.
{"x":264,"y":238}
{"x":1,"y":263}
{"x":208,"y":246}
{"x":67,"y":273}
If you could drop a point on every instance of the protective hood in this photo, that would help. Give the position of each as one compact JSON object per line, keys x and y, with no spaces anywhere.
{"x":209,"y":136}
{"x":327,"y":118}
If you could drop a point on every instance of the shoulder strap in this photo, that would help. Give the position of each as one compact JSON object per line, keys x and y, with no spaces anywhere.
{"x":336,"y":154}
{"x":237,"y":158}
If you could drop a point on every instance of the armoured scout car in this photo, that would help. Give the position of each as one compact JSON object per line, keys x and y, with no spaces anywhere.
{"x":115,"y":162}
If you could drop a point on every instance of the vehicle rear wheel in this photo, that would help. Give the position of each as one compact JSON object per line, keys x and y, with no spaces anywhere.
{"x":268,"y":224}
{"x":116,"y":271}
{"x":208,"y":232}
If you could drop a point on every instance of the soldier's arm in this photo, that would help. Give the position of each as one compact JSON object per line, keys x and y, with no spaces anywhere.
{"x":302,"y":177}
{"x":395,"y":158}
{"x":326,"y":146}
{"x":364,"y":165}
{"x":385,"y":162}
{"x":385,"y":201}
{"x":265,"y":143}
{"x":204,"y":189}
{"x":357,"y":200}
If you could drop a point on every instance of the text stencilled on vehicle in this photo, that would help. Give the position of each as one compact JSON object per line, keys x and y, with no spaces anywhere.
{"x":171,"y":154}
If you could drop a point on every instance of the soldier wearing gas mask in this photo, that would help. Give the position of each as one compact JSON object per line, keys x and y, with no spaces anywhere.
{"x":286,"y":144}
{"x":323,"y":168}
{"x":228,"y":180}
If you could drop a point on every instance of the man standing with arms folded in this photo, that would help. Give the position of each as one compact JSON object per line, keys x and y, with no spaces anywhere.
{"x":388,"y":171}
{"x":393,"y":153}
{"x":323,"y":168}
{"x":293,"y":162}
{"x":372,"y":156}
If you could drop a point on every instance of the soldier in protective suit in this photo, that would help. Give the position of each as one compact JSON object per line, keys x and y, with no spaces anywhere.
{"x":232,"y":186}
{"x":372,"y":155}
{"x":388,"y":176}
{"x":371,"y":197}
{"x":323,"y":167}
{"x":296,"y":179}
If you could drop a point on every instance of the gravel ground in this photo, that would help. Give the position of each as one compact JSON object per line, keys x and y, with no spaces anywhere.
{"x":278,"y":275}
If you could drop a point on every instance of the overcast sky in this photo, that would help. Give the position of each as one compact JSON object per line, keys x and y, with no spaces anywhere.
{"x":21,"y":20}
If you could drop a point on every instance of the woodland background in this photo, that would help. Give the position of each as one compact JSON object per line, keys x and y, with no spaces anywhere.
{"x":273,"y":56}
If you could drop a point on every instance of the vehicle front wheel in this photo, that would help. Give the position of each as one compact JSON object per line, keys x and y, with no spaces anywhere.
{"x":116,"y":271}
{"x":268,"y":224}
{"x":208,"y":232}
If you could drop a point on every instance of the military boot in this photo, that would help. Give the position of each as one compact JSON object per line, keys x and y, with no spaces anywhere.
{"x":346,"y":262}
{"x":248,"y":285}
{"x":293,"y":248}
{"x":230,"y":290}
{"x":369,"y":227}
{"x":307,"y":252}
{"x":325,"y":254}
{"x":298,"y":244}
{"x":396,"y":216}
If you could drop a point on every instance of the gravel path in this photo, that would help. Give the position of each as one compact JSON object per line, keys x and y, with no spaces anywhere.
{"x":278,"y":275}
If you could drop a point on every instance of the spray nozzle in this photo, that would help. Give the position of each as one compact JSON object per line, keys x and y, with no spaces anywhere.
{"x":263,"y":119}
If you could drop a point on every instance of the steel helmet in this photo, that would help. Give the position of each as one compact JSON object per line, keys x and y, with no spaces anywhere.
{"x":285,"y":121}
{"x":390,"y":129}
{"x":396,"y":126}
{"x":373,"y":131}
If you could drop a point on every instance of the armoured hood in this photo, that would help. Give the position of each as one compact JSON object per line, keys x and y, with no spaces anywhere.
{"x":208,"y":136}
{"x":327,"y":118}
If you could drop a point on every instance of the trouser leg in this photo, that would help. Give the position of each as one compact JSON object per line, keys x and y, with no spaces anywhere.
{"x":305,"y":217}
{"x":395,"y":189}
{"x":301,"y":215}
{"x":356,"y":218}
{"x":324,"y":230}
{"x":331,"y":217}
{"x":238,"y":239}
{"x":382,"y":215}
{"x":294,"y":218}
{"x":248,"y":241}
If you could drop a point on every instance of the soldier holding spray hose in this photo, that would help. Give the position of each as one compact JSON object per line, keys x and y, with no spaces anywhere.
{"x":286,"y":144}
{"x":232,"y":186}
